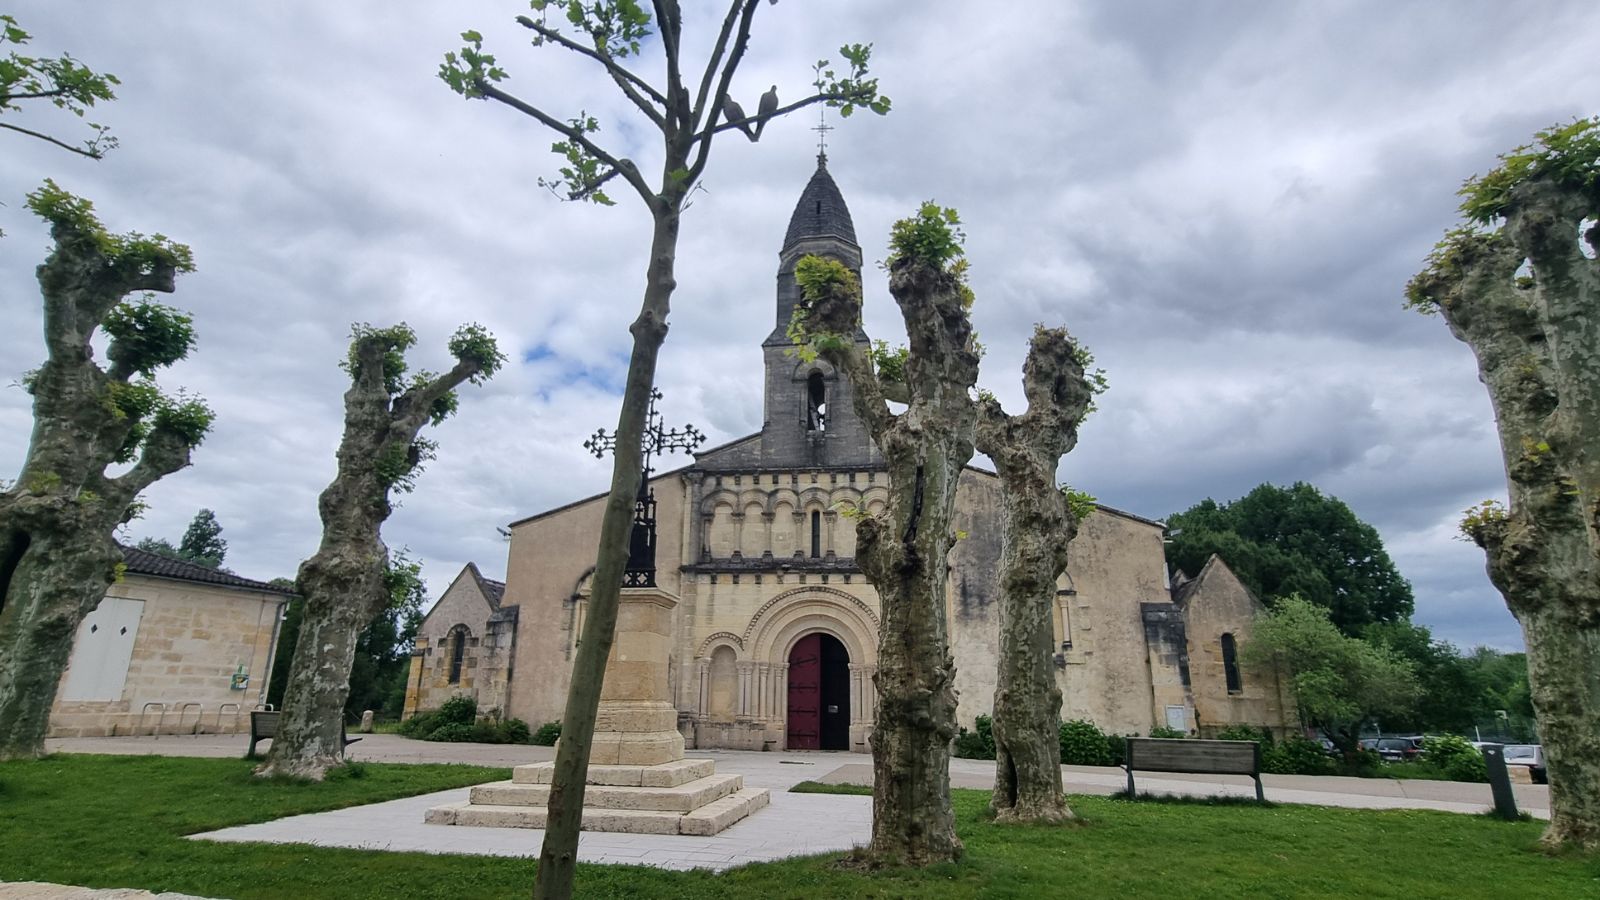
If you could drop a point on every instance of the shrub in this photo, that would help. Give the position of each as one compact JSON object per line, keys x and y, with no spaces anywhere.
{"x":1296,"y":755}
{"x":1162,"y":731}
{"x":547,"y":734}
{"x":1084,"y":744}
{"x":458,"y":711}
{"x":451,"y":731}
{"x":1455,"y":757}
{"x":515,"y":731}
{"x":1246,"y":733}
{"x":976,"y":744}
{"x":1362,"y":764}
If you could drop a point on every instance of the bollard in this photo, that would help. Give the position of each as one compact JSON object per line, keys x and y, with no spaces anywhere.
{"x":366,"y":723}
{"x":1505,"y":802}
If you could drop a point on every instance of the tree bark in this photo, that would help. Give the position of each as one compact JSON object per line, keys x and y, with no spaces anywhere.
{"x":57,"y":554}
{"x":343,"y":583}
{"x":1037,"y":526}
{"x":1541,"y":554}
{"x":558,"y":853}
{"x":903,"y":551}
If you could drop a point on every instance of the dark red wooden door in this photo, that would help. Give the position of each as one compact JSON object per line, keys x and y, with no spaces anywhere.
{"x":805,"y":694}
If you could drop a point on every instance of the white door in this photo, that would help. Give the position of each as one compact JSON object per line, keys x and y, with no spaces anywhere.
{"x":102,"y":649}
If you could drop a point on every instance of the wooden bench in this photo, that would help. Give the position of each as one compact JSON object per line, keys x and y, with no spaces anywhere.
{"x":264,"y":726}
{"x":1194,"y":757}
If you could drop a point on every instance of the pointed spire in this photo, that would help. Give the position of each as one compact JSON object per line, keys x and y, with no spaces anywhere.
{"x":821,"y":212}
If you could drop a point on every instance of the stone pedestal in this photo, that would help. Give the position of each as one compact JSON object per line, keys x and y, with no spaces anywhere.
{"x":638,"y":780}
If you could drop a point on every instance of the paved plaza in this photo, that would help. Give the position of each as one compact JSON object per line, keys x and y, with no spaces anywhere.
{"x":794,"y":824}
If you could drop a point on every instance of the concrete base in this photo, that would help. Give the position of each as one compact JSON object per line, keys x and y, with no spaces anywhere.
{"x":684,"y":796}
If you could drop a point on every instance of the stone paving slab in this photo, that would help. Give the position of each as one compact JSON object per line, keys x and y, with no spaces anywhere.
{"x":793,"y":825}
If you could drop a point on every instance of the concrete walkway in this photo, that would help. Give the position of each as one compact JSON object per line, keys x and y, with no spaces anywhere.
{"x":794,"y":825}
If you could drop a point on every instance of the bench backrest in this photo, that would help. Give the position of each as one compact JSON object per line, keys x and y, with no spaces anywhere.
{"x":1200,"y":757}
{"x":264,"y":723}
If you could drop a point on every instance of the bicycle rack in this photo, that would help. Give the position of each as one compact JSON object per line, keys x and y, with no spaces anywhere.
{"x":178,"y":728}
{"x":139,"y":728}
{"x":220,"y":710}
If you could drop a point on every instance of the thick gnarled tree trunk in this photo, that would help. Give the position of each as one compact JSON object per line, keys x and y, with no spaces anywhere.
{"x":343,"y":583}
{"x":904,"y":550}
{"x":1038,"y":524}
{"x":57,"y":554}
{"x":1538,"y":350}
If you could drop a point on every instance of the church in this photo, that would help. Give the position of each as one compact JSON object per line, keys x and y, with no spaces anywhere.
{"x":775,"y":629}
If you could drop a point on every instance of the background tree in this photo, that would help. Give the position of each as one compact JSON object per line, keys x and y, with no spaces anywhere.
{"x":1536,"y":338}
{"x":1296,"y":540}
{"x":202,"y":542}
{"x":688,"y":117}
{"x":903,"y":550}
{"x":1038,"y":523}
{"x":347,"y":583}
{"x":1338,"y":682}
{"x":383,"y":651}
{"x":62,"y":82}
{"x":57,"y":553}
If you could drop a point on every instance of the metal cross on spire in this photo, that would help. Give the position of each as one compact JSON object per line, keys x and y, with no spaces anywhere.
{"x":822,"y":128}
{"x":641,"y":571}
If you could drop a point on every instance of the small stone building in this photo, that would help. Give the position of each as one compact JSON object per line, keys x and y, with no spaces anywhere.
{"x":1217,"y":612}
{"x":776,"y":628}
{"x":173,"y":648}
{"x":466,"y":646}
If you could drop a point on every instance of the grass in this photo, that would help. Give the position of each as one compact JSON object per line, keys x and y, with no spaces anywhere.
{"x":119,"y":822}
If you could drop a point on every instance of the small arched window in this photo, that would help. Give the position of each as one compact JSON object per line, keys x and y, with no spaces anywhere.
{"x":816,"y":403}
{"x":458,"y":652}
{"x":1230,"y":664}
{"x":816,"y":534}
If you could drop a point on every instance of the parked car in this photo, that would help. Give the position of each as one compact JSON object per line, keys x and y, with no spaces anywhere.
{"x":1399,"y":749}
{"x":1530,"y":755}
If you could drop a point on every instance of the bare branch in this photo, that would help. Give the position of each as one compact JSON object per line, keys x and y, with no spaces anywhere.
{"x":777,"y":113}
{"x":629,"y":170}
{"x":714,"y":64}
{"x":631,"y":84}
{"x":164,"y":452}
{"x":735,"y":55}
{"x":32,"y":95}
{"x":413,"y":407}
{"x":669,"y":18}
{"x":92,"y":154}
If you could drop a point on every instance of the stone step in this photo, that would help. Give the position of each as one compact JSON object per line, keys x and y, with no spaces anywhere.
{"x":707,"y":820}
{"x":630,"y":821}
{"x":681,"y":798}
{"x":670,"y":774}
{"x":715,"y":816}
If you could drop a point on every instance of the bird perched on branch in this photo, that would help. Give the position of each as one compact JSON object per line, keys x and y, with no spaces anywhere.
{"x":769,"y":105}
{"x":736,"y":117}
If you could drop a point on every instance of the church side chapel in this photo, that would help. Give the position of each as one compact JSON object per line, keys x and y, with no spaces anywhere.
{"x":775,"y":629}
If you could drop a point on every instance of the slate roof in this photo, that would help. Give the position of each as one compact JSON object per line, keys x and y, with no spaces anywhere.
{"x":140,"y":562}
{"x":821,"y":211}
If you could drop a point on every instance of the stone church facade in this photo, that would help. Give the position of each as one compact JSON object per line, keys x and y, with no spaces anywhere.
{"x":776,"y":629}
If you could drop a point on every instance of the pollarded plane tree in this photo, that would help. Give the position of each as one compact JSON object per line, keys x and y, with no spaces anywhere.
{"x":903,"y":550}
{"x":346,"y":583}
{"x":57,"y":552}
{"x":688,"y":113}
{"x":1520,"y":285}
{"x":1039,"y":521}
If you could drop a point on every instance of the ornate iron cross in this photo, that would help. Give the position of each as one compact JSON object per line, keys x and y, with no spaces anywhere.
{"x":641,"y":571}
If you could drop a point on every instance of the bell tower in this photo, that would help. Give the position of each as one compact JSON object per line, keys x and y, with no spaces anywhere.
{"x":810,"y":419}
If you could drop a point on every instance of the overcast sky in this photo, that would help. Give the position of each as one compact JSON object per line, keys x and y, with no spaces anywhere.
{"x":1223,"y":200}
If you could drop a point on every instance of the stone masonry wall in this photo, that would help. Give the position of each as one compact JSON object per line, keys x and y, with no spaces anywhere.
{"x":191,"y":641}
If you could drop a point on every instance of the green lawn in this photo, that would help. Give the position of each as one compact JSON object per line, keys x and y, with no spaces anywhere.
{"x":118,"y":820}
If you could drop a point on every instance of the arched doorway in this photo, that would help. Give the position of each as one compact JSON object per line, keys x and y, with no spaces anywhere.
{"x":819,"y":694}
